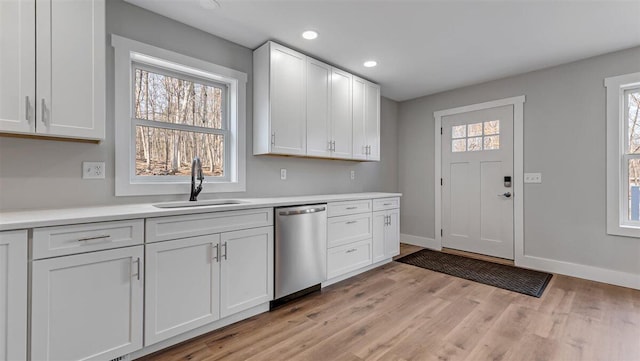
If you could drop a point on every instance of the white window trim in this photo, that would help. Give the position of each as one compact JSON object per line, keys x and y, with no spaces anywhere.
{"x":128,"y":51}
{"x":616,"y":196}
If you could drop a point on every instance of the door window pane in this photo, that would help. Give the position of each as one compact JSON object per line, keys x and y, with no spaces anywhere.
{"x":492,"y":127}
{"x":474,"y":144}
{"x":492,"y":142}
{"x":474,"y":129}
{"x":458,"y":131}
{"x":167,"y":152}
{"x":459,"y":145}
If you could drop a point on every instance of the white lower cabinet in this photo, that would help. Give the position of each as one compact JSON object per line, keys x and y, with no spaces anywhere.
{"x":386,"y":234}
{"x":87,"y":306}
{"x":246,"y":273}
{"x":183,"y":286}
{"x":13,"y":295}
{"x":191,"y":282}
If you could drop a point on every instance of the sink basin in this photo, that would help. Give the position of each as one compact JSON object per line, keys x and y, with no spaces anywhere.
{"x":205,"y":203}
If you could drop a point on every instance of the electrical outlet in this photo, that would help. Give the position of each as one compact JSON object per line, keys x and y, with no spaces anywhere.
{"x":353,"y":174}
{"x":93,"y":170}
{"x":283,"y":174}
{"x":533,"y":177}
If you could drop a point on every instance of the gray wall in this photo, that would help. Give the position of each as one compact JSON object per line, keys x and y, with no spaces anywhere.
{"x":564,"y":139}
{"x":38,"y":173}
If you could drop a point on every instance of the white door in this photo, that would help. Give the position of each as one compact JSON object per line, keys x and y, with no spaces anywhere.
{"x":87,"y":306}
{"x":288,"y":101}
{"x":378,"y":241}
{"x":183,"y":286}
{"x":13,"y":295}
{"x":359,"y":132}
{"x":477,"y":200}
{"x":246,"y":272}
{"x":372,"y":120}
{"x":17,"y":66}
{"x":318,"y":91}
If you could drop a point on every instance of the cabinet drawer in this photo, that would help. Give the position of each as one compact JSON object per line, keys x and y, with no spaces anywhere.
{"x":166,"y":228}
{"x":347,"y":258}
{"x":348,"y":229}
{"x":382,"y":204}
{"x":79,"y":238}
{"x":348,"y":207}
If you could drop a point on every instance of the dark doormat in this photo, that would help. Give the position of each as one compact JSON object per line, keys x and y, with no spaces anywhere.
{"x":528,"y":282}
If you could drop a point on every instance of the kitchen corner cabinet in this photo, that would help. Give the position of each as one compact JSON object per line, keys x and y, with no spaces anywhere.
{"x":279,"y":106}
{"x":366,"y":120}
{"x":87,"y":306}
{"x":304,"y":107}
{"x":60,"y":92}
{"x":13,"y":295}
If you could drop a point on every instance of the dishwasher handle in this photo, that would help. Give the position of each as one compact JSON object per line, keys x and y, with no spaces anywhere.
{"x":302,"y":211}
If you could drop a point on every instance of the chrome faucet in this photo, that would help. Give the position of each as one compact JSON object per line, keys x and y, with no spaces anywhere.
{"x":196,"y":167}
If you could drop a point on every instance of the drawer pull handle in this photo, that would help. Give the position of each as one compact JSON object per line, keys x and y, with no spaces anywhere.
{"x":352,"y":222}
{"x":93,"y":238}
{"x":352,"y":207}
{"x":387,"y":204}
{"x":351,"y":250}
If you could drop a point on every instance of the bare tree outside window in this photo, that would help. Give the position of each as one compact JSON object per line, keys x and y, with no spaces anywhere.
{"x":633,"y":149}
{"x":180,"y":119}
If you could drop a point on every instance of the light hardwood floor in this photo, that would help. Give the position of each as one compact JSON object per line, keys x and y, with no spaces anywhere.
{"x":401,"y":312}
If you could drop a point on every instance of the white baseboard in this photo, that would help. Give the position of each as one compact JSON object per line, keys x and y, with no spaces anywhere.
{"x":592,"y":273}
{"x":420,"y":241}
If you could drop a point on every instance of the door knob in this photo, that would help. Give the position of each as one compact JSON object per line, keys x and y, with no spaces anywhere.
{"x":506,"y":195}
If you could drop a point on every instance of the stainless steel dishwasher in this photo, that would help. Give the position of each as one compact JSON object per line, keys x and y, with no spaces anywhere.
{"x":300,"y":251}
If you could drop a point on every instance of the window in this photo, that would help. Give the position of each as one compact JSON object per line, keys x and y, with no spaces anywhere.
{"x":171,"y":108}
{"x":623,"y":155}
{"x":475,"y":137}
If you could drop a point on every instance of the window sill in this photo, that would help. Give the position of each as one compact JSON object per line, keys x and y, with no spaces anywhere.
{"x":149,"y":189}
{"x":624,"y":231}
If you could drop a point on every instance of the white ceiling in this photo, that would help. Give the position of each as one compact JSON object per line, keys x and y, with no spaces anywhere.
{"x":422,"y":47}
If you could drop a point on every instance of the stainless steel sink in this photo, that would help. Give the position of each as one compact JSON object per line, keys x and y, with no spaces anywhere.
{"x":205,"y":203}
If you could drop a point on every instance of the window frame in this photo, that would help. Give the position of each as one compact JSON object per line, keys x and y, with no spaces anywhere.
{"x":129,"y":55}
{"x":618,"y":222}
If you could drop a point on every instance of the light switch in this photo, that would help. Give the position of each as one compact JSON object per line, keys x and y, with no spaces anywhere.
{"x":533,"y":177}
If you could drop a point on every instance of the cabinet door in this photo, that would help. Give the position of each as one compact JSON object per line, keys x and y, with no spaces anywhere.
{"x":13,"y":295}
{"x":379,"y":232}
{"x":87,"y":306}
{"x":17,"y":66}
{"x":71,"y":68}
{"x":246,"y":273}
{"x":288,"y":101}
{"x":183,"y":286}
{"x":392,"y":234}
{"x":372,"y":120}
{"x":318,"y":88}
{"x":359,"y":134}
{"x":341,"y":122}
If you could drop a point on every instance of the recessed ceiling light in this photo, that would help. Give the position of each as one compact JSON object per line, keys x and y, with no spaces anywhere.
{"x":310,"y":34}
{"x":370,"y":63}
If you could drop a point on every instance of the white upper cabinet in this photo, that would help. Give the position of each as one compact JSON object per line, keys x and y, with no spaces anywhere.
{"x":305,"y":107}
{"x":366,"y":120}
{"x":279,"y":101}
{"x":17,"y":66}
{"x":341,"y":123}
{"x":318,"y":115}
{"x":67,"y":97}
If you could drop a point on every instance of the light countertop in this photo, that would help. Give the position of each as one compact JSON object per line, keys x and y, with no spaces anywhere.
{"x":57,"y":217}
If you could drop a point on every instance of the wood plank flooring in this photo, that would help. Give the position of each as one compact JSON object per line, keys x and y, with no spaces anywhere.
{"x":399,"y":312}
